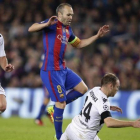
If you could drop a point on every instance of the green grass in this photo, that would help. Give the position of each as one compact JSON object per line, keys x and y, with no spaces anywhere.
{"x":24,"y":129}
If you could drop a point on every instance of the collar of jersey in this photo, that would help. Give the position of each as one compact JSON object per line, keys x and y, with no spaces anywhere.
{"x":61,"y":24}
{"x":101,"y":91}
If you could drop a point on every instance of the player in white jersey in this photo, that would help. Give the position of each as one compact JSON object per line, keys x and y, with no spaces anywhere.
{"x":6,"y":67}
{"x":96,"y":111}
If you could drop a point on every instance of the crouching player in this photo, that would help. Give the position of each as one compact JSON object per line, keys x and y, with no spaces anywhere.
{"x":6,"y":67}
{"x":96,"y":112}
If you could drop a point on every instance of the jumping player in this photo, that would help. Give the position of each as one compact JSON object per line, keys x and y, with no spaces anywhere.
{"x":42,"y":111}
{"x":55,"y":75}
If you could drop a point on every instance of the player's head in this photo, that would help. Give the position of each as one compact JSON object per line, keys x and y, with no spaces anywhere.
{"x":64,"y":12}
{"x":111,"y":82}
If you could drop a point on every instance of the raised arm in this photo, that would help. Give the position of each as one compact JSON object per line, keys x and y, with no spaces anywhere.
{"x":37,"y":27}
{"x":85,"y":42}
{"x":115,"y":123}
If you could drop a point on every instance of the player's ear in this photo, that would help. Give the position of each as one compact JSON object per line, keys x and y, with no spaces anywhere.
{"x":110,"y":86}
{"x":59,"y":14}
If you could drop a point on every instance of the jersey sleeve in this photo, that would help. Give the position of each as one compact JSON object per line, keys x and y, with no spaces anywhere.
{"x":46,"y":28}
{"x":73,"y":40}
{"x":45,"y":21}
{"x":2,"y":51}
{"x":102,"y":106}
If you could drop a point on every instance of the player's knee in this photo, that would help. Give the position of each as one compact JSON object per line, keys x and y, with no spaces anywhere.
{"x":60,"y":104}
{"x":84,"y":90}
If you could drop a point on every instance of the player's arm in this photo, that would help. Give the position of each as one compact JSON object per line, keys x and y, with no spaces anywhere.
{"x":115,"y":123}
{"x":85,"y":42}
{"x":4,"y":64}
{"x":37,"y":26}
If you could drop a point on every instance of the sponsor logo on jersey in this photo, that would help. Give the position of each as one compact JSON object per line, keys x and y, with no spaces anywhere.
{"x":105,"y":107}
{"x":63,"y":39}
{"x":93,"y":96}
{"x":104,"y":100}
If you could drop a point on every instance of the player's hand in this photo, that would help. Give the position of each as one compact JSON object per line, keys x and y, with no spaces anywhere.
{"x":52,"y":20}
{"x":115,"y":108}
{"x":9,"y":68}
{"x":103,"y":30}
{"x":136,"y":123}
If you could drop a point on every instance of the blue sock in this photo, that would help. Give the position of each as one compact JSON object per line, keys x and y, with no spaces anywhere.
{"x":41,"y":112}
{"x":58,"y":120}
{"x":73,"y":95}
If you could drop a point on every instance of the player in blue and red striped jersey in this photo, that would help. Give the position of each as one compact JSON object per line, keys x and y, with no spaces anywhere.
{"x":55,"y":75}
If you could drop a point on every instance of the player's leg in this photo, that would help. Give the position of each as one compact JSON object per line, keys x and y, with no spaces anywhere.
{"x":55,"y":83}
{"x":69,"y":134}
{"x":2,"y":100}
{"x":74,"y":82}
{"x":64,"y":136}
{"x":97,"y":138}
{"x":58,"y":117}
{"x":42,"y":110}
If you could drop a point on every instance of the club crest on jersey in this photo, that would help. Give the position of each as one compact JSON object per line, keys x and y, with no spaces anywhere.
{"x":104,"y":100}
{"x":105,"y":107}
{"x":67,"y":31}
{"x":64,"y":30}
{"x":61,"y":95}
{"x":93,"y":96}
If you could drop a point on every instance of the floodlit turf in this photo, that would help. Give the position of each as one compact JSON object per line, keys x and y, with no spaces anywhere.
{"x":24,"y":129}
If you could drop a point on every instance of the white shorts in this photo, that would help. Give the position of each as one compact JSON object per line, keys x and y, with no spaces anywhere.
{"x":2,"y":90}
{"x":69,"y":134}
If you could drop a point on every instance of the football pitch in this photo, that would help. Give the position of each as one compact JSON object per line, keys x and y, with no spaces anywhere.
{"x":16,"y":128}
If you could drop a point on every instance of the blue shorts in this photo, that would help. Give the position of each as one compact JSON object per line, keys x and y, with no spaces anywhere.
{"x":58,"y":82}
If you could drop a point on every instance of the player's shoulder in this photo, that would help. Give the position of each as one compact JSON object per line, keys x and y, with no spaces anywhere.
{"x":95,"y":91}
{"x":97,"y":95}
{"x":44,"y":21}
{"x":1,"y":39}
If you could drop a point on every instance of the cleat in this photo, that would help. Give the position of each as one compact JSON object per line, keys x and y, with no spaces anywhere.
{"x":55,"y":137}
{"x":39,"y":122}
{"x":50,"y":111}
{"x":49,"y":116}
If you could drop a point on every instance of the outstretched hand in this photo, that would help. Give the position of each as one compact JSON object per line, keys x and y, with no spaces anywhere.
{"x":9,"y":68}
{"x":136,"y":123}
{"x":115,"y":108}
{"x":52,"y":20}
{"x":103,"y":30}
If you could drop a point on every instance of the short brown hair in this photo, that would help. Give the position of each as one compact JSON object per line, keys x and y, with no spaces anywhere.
{"x":61,"y":6}
{"x":109,"y":78}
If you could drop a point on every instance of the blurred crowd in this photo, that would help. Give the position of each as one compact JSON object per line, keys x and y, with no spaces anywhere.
{"x":117,"y":52}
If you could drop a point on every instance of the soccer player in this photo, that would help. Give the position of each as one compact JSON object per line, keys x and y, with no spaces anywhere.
{"x":6,"y":67}
{"x":55,"y":75}
{"x":96,"y":112}
{"x":42,"y":111}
